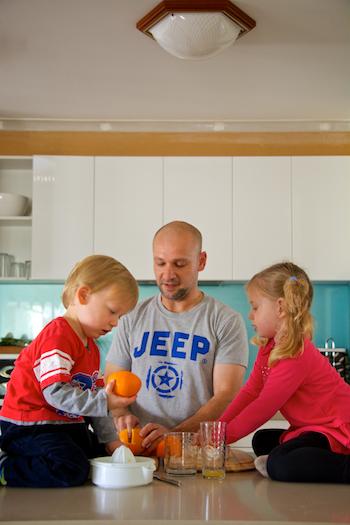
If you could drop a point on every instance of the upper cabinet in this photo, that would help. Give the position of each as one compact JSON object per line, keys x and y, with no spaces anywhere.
{"x":135,"y":196}
{"x":321,"y":216}
{"x":252,"y":212}
{"x":63,"y":214}
{"x":261,"y":213}
{"x":16,"y":230}
{"x":128,"y":210}
{"x":199,"y":190}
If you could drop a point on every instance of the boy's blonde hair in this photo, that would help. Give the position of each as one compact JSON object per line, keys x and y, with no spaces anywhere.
{"x":98,"y":272}
{"x":290,"y":282}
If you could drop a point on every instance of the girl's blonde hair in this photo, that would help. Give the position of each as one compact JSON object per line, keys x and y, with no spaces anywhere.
{"x":98,"y":272}
{"x":289,"y":282}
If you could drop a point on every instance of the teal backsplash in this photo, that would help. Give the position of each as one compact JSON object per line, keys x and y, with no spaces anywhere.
{"x":25,"y":308}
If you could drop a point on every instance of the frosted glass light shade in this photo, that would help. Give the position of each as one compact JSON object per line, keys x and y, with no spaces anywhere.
{"x":195,"y":35}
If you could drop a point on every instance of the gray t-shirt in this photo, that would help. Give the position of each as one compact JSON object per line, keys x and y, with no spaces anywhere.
{"x":174,"y":355}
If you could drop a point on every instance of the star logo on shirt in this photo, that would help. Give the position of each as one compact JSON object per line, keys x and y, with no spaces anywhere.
{"x":164,"y":379}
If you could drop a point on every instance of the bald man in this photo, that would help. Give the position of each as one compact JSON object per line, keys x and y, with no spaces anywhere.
{"x":189,"y":349}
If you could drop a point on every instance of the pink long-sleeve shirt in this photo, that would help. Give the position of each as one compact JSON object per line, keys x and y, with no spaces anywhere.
{"x":306,"y":389}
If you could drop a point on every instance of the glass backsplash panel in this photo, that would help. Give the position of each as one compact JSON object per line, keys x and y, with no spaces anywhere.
{"x":25,"y":308}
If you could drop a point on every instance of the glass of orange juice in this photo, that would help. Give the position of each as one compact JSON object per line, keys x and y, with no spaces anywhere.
{"x":213,"y":452}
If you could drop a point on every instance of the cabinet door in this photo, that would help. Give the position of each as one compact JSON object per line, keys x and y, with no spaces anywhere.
{"x":16,"y":231}
{"x":62,"y":214}
{"x":128,"y":210}
{"x":321,"y":216}
{"x":198,"y":190}
{"x":261,"y":213}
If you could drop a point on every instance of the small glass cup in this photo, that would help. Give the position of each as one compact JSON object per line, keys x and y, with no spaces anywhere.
{"x":180,"y":453}
{"x":5,"y":263}
{"x":213,"y":450}
{"x":17,"y":269}
{"x":27,"y":269}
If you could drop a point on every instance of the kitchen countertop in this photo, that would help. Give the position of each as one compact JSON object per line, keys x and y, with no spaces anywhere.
{"x":242,"y":498}
{"x":13,"y":350}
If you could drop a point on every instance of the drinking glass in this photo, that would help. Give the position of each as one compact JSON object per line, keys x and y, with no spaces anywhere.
{"x":27,"y":269}
{"x":181,"y":452}
{"x":17,"y":269}
{"x":5,"y":262}
{"x":213,"y":450}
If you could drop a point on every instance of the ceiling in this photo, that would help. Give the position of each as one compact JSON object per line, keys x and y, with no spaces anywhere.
{"x":85,"y":59}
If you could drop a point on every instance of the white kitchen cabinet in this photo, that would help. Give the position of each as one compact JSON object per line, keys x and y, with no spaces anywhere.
{"x":198,"y":190}
{"x":16,"y":232}
{"x":261,"y":213}
{"x":128,"y":210}
{"x":252,"y":211}
{"x":321,"y":216}
{"x":63,"y":206}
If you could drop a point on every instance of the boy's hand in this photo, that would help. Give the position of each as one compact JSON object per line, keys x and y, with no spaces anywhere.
{"x":115,"y":403}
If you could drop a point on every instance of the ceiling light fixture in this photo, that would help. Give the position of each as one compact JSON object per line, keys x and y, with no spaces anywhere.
{"x":195,"y":29}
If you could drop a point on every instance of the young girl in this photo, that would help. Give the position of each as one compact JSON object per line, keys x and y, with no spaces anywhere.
{"x":45,"y":439}
{"x":291,"y":375}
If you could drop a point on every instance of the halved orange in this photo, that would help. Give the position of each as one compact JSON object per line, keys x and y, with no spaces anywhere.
{"x":135,"y":443}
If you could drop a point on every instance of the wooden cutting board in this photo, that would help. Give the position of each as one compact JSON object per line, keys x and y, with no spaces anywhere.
{"x":236,"y":460}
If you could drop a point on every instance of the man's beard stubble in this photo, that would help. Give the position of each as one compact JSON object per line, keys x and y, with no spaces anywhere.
{"x":180,"y":295}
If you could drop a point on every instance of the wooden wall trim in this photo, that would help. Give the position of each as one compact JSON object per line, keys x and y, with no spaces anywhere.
{"x":100,"y":143}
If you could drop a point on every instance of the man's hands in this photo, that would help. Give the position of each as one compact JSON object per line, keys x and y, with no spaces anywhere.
{"x":128,"y":421}
{"x":151,"y":433}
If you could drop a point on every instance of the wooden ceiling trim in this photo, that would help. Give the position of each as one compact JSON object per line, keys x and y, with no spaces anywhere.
{"x":28,"y":143}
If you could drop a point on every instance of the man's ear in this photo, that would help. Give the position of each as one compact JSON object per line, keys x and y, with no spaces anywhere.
{"x":83,"y":294}
{"x":202,"y":261}
{"x":281,"y":311}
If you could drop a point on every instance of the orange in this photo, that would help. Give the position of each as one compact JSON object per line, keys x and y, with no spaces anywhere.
{"x":127,"y":384}
{"x":160,"y":450}
{"x":135,"y":443}
{"x":173,"y":444}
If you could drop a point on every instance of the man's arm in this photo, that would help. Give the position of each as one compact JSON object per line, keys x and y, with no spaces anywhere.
{"x":227,"y":380}
{"x":110,"y":367}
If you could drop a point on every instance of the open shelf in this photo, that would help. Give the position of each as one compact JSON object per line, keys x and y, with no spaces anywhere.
{"x":16,"y":221}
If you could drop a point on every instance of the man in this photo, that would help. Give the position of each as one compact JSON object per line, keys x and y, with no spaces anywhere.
{"x":189,"y":350}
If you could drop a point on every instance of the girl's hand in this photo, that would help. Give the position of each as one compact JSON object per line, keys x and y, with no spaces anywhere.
{"x":115,"y":403}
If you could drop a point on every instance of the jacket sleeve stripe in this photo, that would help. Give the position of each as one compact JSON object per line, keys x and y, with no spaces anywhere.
{"x":52,"y":363}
